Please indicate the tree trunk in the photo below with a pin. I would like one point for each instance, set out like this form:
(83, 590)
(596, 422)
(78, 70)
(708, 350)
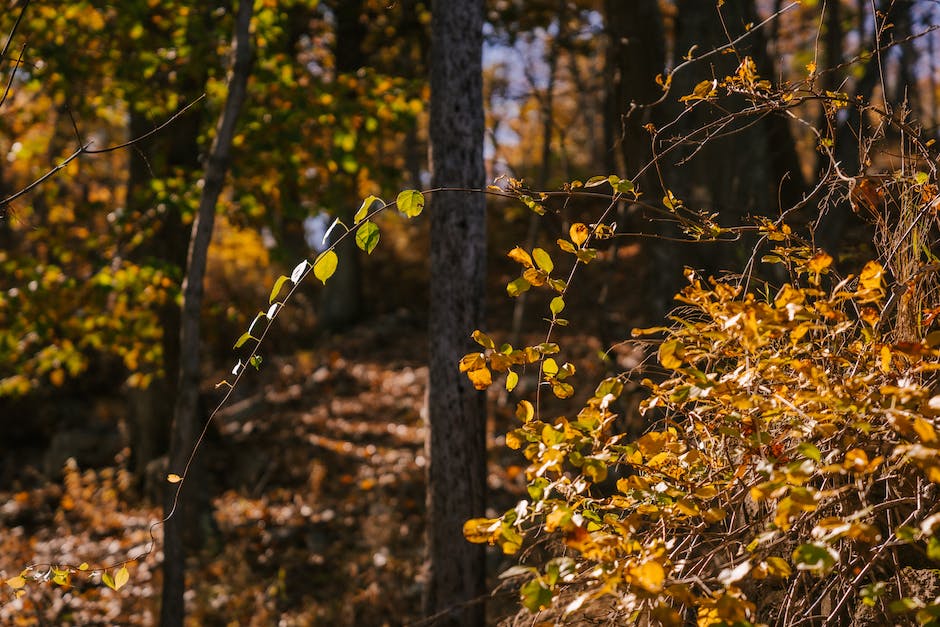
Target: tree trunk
(341, 299)
(636, 53)
(456, 443)
(184, 433)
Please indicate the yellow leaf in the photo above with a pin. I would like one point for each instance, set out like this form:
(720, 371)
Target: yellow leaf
(649, 576)
(778, 567)
(925, 431)
(535, 277)
(410, 202)
(885, 363)
(819, 262)
(856, 460)
(364, 208)
(525, 411)
(325, 265)
(670, 353)
(512, 379)
(481, 378)
(480, 530)
(578, 233)
(121, 578)
(173, 478)
(472, 361)
(16, 582)
(870, 279)
(520, 256)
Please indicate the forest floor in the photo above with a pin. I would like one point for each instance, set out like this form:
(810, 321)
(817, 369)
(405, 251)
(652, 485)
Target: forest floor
(316, 477)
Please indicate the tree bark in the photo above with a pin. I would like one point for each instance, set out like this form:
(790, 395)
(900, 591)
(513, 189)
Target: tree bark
(185, 426)
(456, 444)
(636, 53)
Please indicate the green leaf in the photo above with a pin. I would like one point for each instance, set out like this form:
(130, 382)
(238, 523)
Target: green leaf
(536, 489)
(809, 451)
(557, 304)
(813, 557)
(277, 287)
(410, 202)
(364, 208)
(241, 340)
(325, 265)
(255, 361)
(610, 385)
(594, 181)
(108, 580)
(933, 549)
(621, 186)
(517, 287)
(542, 259)
(594, 469)
(367, 237)
(586, 255)
(535, 596)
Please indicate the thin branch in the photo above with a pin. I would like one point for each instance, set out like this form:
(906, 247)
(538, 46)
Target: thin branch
(16, 25)
(84, 150)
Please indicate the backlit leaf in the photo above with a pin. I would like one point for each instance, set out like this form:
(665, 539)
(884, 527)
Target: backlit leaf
(566, 246)
(557, 305)
(595, 181)
(562, 389)
(121, 577)
(525, 411)
(481, 378)
(535, 596)
(367, 236)
(669, 353)
(481, 530)
(517, 287)
(277, 287)
(594, 469)
(543, 260)
(870, 278)
(173, 478)
(512, 380)
(410, 202)
(578, 233)
(650, 576)
(325, 265)
(364, 208)
(16, 582)
(518, 255)
(815, 558)
(483, 339)
(241, 341)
